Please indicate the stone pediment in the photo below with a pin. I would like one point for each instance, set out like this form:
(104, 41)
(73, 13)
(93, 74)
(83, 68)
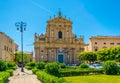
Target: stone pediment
(60, 41)
(59, 19)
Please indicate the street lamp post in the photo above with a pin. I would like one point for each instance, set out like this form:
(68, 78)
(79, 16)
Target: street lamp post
(21, 26)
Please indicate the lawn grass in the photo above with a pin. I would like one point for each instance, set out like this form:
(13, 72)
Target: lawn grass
(94, 79)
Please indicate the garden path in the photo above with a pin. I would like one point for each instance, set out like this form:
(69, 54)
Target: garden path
(23, 77)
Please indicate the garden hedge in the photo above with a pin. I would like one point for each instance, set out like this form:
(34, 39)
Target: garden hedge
(77, 72)
(4, 76)
(47, 78)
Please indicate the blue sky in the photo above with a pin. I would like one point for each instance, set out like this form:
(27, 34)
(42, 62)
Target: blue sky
(89, 17)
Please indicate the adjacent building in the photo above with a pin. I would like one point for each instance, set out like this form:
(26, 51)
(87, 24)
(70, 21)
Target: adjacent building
(98, 42)
(59, 43)
(15, 47)
(7, 47)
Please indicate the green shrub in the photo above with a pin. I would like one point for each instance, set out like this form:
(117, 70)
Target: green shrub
(47, 78)
(34, 70)
(1, 80)
(83, 65)
(119, 70)
(40, 65)
(11, 65)
(62, 65)
(110, 68)
(52, 68)
(77, 72)
(15, 67)
(3, 65)
(10, 71)
(30, 65)
(4, 77)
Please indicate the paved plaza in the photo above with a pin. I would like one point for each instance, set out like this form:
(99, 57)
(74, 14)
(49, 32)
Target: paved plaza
(23, 77)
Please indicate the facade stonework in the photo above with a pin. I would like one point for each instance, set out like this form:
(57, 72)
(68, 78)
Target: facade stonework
(98, 42)
(7, 47)
(58, 44)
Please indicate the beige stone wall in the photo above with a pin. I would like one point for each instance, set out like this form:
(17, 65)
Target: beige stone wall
(49, 46)
(99, 42)
(86, 47)
(7, 47)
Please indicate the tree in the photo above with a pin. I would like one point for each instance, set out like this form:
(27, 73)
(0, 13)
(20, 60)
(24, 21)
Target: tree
(112, 53)
(115, 53)
(87, 56)
(103, 54)
(92, 56)
(18, 57)
(82, 56)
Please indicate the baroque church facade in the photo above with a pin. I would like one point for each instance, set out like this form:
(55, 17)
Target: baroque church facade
(58, 44)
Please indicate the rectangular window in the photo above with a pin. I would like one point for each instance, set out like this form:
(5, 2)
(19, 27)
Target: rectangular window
(7, 49)
(111, 43)
(118, 43)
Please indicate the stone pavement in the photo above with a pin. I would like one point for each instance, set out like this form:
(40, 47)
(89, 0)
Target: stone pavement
(23, 77)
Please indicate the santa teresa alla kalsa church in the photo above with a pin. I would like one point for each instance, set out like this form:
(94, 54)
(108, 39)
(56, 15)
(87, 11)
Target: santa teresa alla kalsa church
(59, 43)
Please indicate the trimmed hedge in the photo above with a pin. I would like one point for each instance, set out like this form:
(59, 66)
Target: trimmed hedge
(40, 65)
(62, 65)
(47, 78)
(15, 67)
(3, 65)
(10, 71)
(34, 70)
(119, 70)
(30, 65)
(4, 77)
(77, 72)
(11, 65)
(5, 74)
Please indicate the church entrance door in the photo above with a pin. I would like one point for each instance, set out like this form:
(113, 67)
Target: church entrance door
(60, 58)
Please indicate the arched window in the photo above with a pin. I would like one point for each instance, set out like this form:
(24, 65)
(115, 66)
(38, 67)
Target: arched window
(60, 35)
